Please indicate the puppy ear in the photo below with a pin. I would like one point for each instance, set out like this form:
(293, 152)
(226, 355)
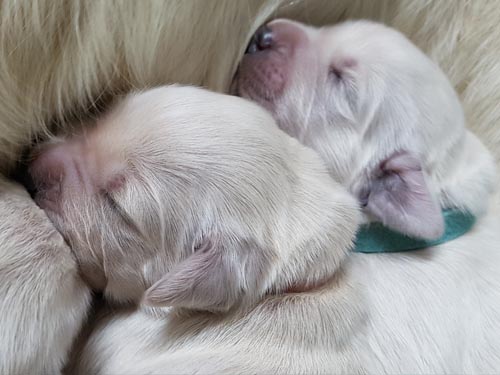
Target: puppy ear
(398, 196)
(214, 277)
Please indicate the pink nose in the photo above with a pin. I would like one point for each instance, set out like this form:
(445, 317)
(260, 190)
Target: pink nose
(55, 169)
(48, 168)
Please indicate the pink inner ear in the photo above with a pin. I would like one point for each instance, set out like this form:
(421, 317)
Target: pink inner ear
(215, 276)
(400, 198)
(206, 280)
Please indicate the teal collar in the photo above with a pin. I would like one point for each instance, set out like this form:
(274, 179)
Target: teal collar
(375, 238)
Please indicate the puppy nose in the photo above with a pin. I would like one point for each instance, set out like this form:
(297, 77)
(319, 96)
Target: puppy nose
(262, 39)
(48, 168)
(55, 168)
(47, 172)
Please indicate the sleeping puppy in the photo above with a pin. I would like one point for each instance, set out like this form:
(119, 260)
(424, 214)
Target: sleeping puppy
(196, 201)
(192, 199)
(390, 127)
(380, 113)
(198, 162)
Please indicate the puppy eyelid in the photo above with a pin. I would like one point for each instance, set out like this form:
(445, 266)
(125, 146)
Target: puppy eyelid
(116, 207)
(335, 72)
(122, 213)
(112, 202)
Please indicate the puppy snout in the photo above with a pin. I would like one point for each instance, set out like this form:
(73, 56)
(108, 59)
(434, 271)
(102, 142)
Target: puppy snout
(271, 57)
(47, 172)
(47, 169)
(53, 168)
(262, 39)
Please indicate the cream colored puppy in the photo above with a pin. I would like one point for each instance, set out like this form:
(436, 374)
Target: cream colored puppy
(433, 311)
(390, 127)
(195, 198)
(380, 113)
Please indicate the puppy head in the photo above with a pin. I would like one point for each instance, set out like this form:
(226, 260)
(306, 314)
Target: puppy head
(195, 198)
(380, 113)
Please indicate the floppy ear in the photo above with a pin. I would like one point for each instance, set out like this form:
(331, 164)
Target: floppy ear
(399, 197)
(214, 277)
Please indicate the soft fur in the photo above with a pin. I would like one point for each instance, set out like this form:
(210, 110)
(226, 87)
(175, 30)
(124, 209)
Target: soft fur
(60, 60)
(432, 311)
(199, 203)
(390, 128)
(381, 114)
(196, 197)
(414, 313)
(44, 301)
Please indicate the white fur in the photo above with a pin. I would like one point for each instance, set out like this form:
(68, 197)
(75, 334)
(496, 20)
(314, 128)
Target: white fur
(429, 312)
(199, 169)
(432, 311)
(391, 98)
(58, 59)
(43, 300)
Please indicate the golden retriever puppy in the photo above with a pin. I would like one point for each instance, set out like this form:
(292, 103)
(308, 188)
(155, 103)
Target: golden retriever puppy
(174, 173)
(381, 114)
(390, 127)
(196, 199)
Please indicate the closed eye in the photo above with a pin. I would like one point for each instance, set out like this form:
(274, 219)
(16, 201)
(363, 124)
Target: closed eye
(335, 72)
(121, 212)
(115, 206)
(111, 201)
(340, 67)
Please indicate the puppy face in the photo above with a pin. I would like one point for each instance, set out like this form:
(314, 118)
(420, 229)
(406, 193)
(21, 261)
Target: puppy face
(196, 197)
(380, 113)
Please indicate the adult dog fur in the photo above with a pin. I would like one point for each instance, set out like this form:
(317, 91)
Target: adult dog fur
(58, 58)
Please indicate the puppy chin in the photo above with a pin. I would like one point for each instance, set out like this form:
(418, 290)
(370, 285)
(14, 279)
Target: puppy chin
(253, 89)
(49, 205)
(257, 94)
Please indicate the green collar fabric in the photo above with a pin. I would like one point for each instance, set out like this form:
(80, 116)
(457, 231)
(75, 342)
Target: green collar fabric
(375, 238)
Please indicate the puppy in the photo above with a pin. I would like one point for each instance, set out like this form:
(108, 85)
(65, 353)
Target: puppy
(390, 127)
(433, 311)
(379, 112)
(192, 199)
